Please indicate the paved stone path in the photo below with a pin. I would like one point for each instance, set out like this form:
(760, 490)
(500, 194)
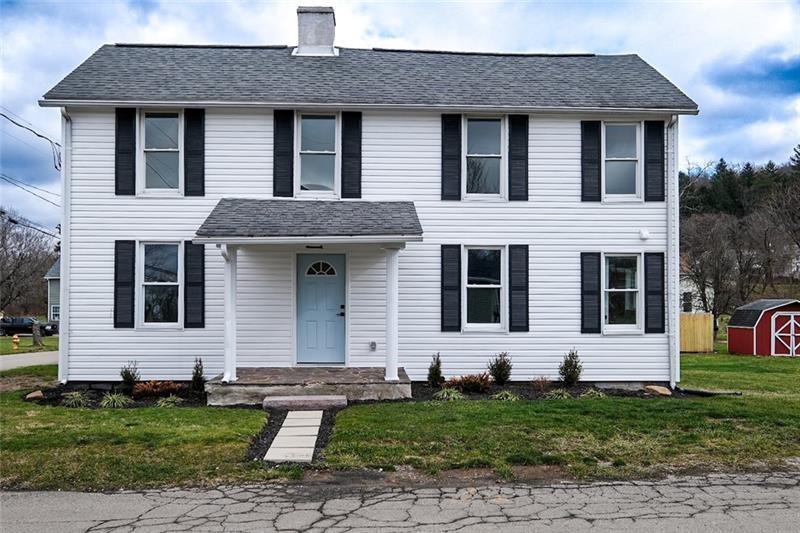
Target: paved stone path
(296, 439)
(707, 504)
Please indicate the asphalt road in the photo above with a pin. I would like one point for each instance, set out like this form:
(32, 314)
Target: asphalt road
(8, 362)
(707, 504)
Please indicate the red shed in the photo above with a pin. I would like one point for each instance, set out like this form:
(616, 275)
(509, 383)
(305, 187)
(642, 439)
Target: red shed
(766, 327)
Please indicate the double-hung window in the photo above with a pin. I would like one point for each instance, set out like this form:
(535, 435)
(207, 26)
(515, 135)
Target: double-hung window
(621, 292)
(485, 278)
(55, 313)
(621, 160)
(162, 144)
(161, 284)
(484, 157)
(318, 141)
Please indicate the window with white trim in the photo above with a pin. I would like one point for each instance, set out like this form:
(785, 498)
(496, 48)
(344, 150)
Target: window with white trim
(621, 292)
(162, 142)
(621, 160)
(484, 156)
(55, 313)
(317, 150)
(483, 287)
(161, 283)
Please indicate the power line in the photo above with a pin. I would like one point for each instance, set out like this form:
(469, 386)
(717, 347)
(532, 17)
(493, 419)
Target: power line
(55, 146)
(3, 177)
(57, 195)
(22, 222)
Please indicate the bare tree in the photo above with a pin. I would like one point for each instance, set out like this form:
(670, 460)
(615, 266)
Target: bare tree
(784, 208)
(25, 256)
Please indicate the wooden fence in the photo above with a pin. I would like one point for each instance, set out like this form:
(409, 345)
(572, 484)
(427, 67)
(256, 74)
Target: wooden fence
(697, 332)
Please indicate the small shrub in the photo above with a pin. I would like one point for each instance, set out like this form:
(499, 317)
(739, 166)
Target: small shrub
(593, 393)
(156, 389)
(198, 377)
(169, 401)
(542, 384)
(506, 396)
(570, 369)
(435, 378)
(558, 394)
(75, 399)
(448, 395)
(115, 400)
(471, 383)
(500, 368)
(130, 377)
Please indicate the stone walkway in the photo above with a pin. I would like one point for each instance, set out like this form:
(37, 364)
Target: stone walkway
(296, 439)
(704, 504)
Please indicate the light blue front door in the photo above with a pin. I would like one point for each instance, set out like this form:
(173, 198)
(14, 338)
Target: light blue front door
(320, 308)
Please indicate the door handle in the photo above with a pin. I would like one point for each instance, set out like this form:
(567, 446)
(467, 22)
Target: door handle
(340, 314)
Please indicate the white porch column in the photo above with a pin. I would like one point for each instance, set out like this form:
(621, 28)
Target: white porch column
(392, 289)
(229, 254)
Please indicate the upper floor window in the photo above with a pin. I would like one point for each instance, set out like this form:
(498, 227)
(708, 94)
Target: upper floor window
(484, 287)
(318, 153)
(484, 156)
(622, 291)
(162, 150)
(621, 160)
(160, 286)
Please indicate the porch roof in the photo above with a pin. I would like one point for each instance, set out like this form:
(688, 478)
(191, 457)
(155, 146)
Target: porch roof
(250, 220)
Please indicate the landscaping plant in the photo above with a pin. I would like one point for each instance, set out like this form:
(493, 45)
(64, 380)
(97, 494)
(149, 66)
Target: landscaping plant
(130, 377)
(115, 400)
(156, 389)
(75, 399)
(570, 369)
(435, 378)
(593, 393)
(500, 368)
(506, 396)
(169, 401)
(558, 394)
(471, 383)
(541, 384)
(198, 378)
(448, 395)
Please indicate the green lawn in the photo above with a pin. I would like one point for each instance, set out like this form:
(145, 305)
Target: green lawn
(751, 375)
(37, 371)
(26, 345)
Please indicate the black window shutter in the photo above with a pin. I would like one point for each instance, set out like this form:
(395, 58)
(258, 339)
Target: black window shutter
(654, 168)
(451, 157)
(518, 157)
(654, 293)
(194, 280)
(125, 152)
(518, 287)
(124, 283)
(283, 153)
(451, 287)
(590, 161)
(590, 292)
(194, 155)
(351, 155)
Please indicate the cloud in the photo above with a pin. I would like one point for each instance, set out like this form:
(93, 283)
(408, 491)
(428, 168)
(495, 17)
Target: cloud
(738, 60)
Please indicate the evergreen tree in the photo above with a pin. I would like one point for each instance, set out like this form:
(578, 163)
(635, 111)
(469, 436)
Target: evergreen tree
(794, 163)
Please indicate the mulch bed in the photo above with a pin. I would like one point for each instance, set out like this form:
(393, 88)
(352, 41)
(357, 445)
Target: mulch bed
(96, 391)
(421, 391)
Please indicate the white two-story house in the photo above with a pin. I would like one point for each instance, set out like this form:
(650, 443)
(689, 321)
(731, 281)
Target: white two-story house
(288, 206)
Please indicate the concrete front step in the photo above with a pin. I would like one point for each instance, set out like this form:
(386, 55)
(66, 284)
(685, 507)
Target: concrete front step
(304, 403)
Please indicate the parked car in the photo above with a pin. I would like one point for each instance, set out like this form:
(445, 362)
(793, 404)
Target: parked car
(24, 325)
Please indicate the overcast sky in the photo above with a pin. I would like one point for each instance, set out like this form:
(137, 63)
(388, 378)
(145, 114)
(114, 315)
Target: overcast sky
(740, 61)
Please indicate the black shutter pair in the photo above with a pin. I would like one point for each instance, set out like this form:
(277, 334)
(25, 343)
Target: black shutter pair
(517, 157)
(125, 284)
(591, 308)
(193, 152)
(517, 287)
(591, 161)
(283, 154)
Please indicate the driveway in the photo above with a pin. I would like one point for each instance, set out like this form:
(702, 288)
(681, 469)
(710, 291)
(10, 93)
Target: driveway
(707, 504)
(8, 362)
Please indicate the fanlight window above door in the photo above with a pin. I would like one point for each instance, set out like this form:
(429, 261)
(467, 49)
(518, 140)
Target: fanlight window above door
(321, 268)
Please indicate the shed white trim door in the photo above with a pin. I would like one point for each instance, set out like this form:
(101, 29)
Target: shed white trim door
(321, 309)
(786, 334)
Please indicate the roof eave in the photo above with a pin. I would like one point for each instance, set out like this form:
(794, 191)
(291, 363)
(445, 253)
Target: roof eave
(310, 239)
(46, 102)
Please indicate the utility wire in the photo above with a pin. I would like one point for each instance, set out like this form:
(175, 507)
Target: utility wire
(57, 195)
(22, 222)
(3, 177)
(55, 146)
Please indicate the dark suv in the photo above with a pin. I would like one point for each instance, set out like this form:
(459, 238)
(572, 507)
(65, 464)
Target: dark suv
(24, 324)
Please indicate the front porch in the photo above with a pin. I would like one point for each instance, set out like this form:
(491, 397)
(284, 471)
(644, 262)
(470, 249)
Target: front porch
(357, 384)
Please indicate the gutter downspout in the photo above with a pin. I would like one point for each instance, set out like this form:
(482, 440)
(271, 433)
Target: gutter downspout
(673, 253)
(64, 289)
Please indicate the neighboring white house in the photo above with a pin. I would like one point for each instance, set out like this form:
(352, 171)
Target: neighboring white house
(53, 278)
(273, 206)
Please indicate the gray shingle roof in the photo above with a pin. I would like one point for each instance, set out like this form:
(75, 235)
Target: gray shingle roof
(271, 75)
(247, 217)
(747, 315)
(55, 270)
